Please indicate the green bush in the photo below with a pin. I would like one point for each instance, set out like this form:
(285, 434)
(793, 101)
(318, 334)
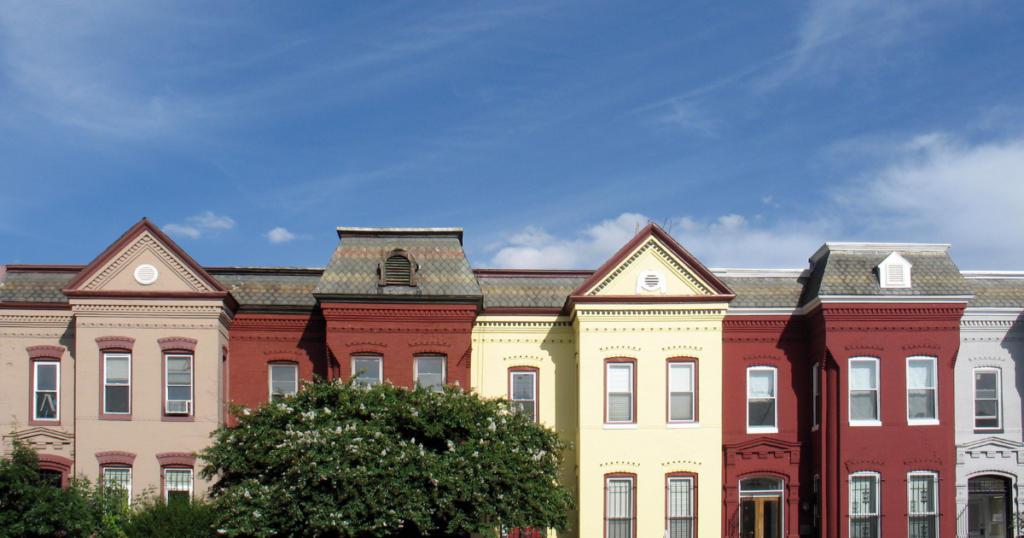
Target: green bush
(154, 517)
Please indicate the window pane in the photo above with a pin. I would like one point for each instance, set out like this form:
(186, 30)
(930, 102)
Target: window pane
(117, 370)
(620, 407)
(680, 378)
(921, 403)
(367, 370)
(862, 375)
(620, 498)
(921, 374)
(922, 494)
(179, 370)
(761, 383)
(986, 385)
(46, 377)
(864, 527)
(922, 527)
(762, 413)
(46, 405)
(863, 495)
(116, 399)
(680, 498)
(179, 393)
(282, 380)
(620, 377)
(863, 405)
(522, 386)
(681, 406)
(118, 477)
(524, 406)
(430, 373)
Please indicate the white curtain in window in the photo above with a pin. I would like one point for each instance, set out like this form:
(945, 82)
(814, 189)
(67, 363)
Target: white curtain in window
(862, 375)
(680, 378)
(761, 384)
(117, 370)
(920, 374)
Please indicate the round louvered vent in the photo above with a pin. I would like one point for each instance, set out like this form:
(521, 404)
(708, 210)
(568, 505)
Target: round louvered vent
(650, 281)
(146, 274)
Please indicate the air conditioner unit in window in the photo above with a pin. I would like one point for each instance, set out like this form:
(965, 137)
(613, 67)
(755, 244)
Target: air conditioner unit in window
(179, 407)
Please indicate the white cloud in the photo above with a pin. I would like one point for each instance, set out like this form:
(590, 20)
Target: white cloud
(280, 235)
(199, 224)
(536, 249)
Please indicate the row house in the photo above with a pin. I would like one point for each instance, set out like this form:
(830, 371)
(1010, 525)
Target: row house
(871, 394)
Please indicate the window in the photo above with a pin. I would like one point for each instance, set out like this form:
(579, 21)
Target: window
(619, 519)
(51, 478)
(816, 387)
(398, 268)
(119, 477)
(923, 516)
(864, 505)
(46, 391)
(986, 399)
(117, 394)
(523, 391)
(430, 371)
(680, 516)
(864, 392)
(178, 484)
(179, 384)
(284, 381)
(921, 391)
(619, 400)
(682, 392)
(761, 412)
(367, 369)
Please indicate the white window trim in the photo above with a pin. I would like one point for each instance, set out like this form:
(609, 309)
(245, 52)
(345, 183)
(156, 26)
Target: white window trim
(191, 481)
(106, 468)
(444, 367)
(693, 390)
(999, 397)
(815, 394)
(511, 384)
(935, 499)
(775, 388)
(935, 393)
(36, 391)
(192, 384)
(270, 378)
(878, 393)
(117, 356)
(878, 502)
(620, 424)
(380, 364)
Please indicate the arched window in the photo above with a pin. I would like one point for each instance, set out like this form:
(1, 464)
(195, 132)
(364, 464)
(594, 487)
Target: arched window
(398, 268)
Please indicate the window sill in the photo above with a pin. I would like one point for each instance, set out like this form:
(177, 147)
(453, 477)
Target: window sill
(620, 426)
(988, 431)
(682, 425)
(923, 422)
(115, 416)
(761, 429)
(178, 418)
(865, 423)
(43, 422)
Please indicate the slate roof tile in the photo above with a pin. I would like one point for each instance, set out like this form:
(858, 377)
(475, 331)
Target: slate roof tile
(43, 287)
(997, 292)
(528, 292)
(766, 292)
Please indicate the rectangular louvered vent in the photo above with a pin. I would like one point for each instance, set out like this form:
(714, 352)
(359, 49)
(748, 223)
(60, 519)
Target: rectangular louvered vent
(397, 271)
(896, 275)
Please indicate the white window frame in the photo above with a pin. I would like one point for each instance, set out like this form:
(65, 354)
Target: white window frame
(190, 406)
(625, 424)
(682, 423)
(632, 503)
(36, 391)
(107, 356)
(877, 515)
(877, 421)
(999, 397)
(935, 391)
(775, 397)
(369, 356)
(270, 378)
(191, 481)
(444, 369)
(935, 500)
(128, 487)
(691, 509)
(511, 390)
(815, 395)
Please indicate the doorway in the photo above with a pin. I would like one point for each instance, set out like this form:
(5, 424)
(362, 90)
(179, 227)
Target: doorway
(988, 507)
(761, 507)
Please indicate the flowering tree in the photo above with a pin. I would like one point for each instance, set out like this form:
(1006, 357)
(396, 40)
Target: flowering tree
(343, 459)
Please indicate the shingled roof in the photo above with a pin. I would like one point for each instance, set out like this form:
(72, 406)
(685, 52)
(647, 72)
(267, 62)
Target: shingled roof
(269, 288)
(528, 289)
(994, 290)
(764, 288)
(36, 284)
(444, 270)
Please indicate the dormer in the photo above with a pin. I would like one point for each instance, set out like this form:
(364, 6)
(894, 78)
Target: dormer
(894, 272)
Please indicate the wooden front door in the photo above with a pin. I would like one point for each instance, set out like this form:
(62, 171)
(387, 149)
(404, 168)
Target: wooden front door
(759, 517)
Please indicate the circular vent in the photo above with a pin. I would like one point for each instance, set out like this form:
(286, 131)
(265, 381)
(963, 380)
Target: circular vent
(652, 281)
(146, 274)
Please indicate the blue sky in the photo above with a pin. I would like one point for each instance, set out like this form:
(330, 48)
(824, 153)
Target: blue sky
(548, 130)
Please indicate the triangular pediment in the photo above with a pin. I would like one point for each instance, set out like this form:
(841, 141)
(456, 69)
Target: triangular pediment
(654, 266)
(991, 443)
(143, 261)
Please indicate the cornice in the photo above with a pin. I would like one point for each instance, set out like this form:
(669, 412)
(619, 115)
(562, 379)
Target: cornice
(47, 320)
(148, 325)
(91, 310)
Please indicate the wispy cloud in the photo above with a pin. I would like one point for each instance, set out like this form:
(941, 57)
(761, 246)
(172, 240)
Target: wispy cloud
(198, 225)
(280, 235)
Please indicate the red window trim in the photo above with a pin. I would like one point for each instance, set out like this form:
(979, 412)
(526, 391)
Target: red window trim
(60, 464)
(668, 389)
(693, 477)
(175, 460)
(178, 343)
(113, 457)
(604, 500)
(164, 416)
(536, 387)
(116, 344)
(38, 354)
(605, 398)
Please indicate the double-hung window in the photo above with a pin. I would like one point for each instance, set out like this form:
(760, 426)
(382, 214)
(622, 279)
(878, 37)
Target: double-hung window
(816, 387)
(864, 392)
(921, 391)
(430, 371)
(284, 380)
(367, 369)
(682, 392)
(679, 520)
(119, 477)
(761, 399)
(117, 390)
(864, 505)
(987, 404)
(619, 400)
(178, 484)
(179, 384)
(620, 521)
(523, 392)
(46, 390)
(923, 514)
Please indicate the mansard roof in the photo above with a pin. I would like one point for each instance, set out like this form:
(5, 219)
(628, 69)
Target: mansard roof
(40, 284)
(444, 271)
(270, 288)
(528, 289)
(1003, 289)
(757, 288)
